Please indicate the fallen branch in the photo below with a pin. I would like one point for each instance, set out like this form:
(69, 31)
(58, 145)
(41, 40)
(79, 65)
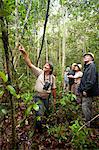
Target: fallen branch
(88, 122)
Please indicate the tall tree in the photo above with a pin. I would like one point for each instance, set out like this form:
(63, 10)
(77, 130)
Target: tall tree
(4, 30)
(46, 19)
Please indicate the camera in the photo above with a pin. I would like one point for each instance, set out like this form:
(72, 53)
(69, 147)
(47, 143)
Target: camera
(46, 86)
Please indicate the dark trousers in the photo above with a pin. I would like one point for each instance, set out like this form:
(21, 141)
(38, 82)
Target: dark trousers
(43, 109)
(87, 108)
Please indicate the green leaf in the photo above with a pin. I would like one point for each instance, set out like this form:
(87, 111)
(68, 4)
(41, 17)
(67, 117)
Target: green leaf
(35, 107)
(62, 102)
(4, 111)
(74, 96)
(38, 118)
(28, 110)
(1, 93)
(27, 97)
(11, 90)
(4, 76)
(18, 96)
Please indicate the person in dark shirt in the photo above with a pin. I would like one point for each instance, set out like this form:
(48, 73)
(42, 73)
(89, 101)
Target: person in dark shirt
(87, 86)
(71, 80)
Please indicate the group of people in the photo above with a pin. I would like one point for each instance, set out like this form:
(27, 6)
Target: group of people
(72, 78)
(82, 84)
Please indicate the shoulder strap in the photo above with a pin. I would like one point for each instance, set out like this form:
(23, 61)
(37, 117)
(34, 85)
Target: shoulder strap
(49, 78)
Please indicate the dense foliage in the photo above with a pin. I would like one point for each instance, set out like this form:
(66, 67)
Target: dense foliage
(72, 30)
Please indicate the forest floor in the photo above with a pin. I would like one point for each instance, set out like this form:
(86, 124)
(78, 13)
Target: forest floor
(38, 141)
(27, 139)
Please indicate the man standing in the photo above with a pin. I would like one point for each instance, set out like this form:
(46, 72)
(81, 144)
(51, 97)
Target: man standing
(45, 85)
(87, 86)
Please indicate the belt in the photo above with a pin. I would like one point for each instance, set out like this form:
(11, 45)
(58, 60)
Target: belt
(43, 95)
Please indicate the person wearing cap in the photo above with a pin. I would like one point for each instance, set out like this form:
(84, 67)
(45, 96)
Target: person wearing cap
(87, 86)
(77, 78)
(45, 85)
(71, 80)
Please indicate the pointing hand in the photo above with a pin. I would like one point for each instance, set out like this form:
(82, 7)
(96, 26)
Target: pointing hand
(22, 50)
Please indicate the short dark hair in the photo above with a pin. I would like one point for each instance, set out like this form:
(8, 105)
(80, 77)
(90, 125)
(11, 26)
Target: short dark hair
(51, 67)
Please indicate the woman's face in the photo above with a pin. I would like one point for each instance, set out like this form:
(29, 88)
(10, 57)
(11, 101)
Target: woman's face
(76, 68)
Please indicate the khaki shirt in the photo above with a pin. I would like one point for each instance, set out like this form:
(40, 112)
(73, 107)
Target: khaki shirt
(77, 77)
(39, 73)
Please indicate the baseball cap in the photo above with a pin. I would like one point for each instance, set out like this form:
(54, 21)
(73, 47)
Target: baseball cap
(89, 53)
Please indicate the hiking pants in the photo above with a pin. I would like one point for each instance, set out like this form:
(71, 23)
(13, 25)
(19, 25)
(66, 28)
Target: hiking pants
(43, 109)
(87, 108)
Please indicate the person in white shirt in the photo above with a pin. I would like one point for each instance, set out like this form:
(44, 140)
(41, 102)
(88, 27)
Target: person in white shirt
(77, 78)
(45, 84)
